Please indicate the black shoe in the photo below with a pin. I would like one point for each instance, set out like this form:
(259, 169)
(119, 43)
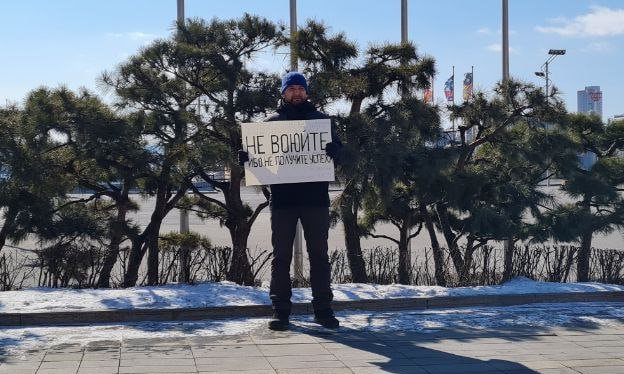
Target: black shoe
(326, 319)
(279, 321)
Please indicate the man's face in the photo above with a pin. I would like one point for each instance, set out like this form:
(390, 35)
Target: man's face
(295, 94)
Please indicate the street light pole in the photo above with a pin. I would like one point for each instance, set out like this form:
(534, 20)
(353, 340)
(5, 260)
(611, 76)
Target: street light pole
(505, 40)
(180, 10)
(403, 21)
(294, 66)
(184, 213)
(294, 63)
(553, 53)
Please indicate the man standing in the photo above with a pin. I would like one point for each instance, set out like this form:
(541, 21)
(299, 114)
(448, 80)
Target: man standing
(307, 202)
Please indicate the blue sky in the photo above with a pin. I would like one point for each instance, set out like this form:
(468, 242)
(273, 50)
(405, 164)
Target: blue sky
(71, 42)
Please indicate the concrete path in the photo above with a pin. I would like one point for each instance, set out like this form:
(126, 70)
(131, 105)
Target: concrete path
(582, 348)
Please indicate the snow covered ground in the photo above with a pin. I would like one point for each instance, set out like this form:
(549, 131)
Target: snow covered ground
(226, 293)
(534, 317)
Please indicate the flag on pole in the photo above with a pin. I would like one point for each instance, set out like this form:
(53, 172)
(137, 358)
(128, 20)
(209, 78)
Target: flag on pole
(449, 88)
(467, 86)
(428, 94)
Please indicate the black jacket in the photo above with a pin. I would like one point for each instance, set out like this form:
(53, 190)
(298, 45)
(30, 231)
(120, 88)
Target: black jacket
(312, 194)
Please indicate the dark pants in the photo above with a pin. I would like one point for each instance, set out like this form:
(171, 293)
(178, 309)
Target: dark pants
(315, 222)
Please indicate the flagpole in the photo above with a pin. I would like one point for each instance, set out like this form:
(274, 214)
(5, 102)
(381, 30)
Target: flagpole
(453, 96)
(473, 82)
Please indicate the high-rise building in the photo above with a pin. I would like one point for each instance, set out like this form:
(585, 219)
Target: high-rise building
(590, 100)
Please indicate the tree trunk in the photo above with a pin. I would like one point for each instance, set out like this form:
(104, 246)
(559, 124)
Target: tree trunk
(152, 255)
(464, 275)
(404, 265)
(137, 251)
(583, 257)
(116, 232)
(438, 256)
(9, 221)
(348, 213)
(510, 246)
(584, 252)
(109, 261)
(240, 269)
(449, 236)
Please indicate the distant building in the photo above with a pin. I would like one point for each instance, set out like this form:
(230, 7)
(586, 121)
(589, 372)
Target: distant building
(590, 100)
(617, 117)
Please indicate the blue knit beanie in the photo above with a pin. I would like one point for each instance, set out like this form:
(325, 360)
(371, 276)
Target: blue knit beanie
(294, 78)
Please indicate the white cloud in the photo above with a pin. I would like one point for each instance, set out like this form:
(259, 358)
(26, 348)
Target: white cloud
(484, 31)
(598, 47)
(135, 35)
(600, 21)
(499, 48)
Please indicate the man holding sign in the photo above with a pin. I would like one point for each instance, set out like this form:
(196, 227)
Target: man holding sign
(295, 156)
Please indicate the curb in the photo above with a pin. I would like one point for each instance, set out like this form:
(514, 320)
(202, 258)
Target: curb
(225, 312)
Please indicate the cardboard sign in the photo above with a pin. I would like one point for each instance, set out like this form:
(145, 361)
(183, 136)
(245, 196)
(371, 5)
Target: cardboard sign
(287, 152)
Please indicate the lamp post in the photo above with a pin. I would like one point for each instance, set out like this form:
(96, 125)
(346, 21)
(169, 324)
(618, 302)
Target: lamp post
(553, 53)
(505, 40)
(184, 213)
(294, 66)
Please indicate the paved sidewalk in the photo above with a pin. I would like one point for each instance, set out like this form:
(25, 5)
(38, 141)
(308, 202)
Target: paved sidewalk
(583, 349)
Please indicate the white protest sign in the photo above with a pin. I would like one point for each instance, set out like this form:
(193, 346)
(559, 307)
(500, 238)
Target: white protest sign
(287, 152)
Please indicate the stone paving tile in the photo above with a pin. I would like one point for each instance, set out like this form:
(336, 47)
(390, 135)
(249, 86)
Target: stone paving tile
(344, 336)
(601, 343)
(102, 370)
(292, 349)
(588, 337)
(152, 362)
(166, 349)
(267, 371)
(593, 362)
(513, 365)
(220, 340)
(62, 356)
(157, 369)
(543, 371)
(157, 355)
(88, 356)
(390, 370)
(19, 369)
(363, 351)
(461, 368)
(55, 371)
(68, 365)
(103, 344)
(315, 371)
(100, 364)
(600, 369)
(387, 362)
(226, 351)
(295, 362)
(21, 364)
(153, 342)
(232, 363)
(282, 338)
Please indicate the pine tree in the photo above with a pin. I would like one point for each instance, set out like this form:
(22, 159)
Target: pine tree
(598, 205)
(337, 71)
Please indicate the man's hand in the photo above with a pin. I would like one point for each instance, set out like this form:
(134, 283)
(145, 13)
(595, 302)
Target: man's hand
(243, 156)
(331, 149)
